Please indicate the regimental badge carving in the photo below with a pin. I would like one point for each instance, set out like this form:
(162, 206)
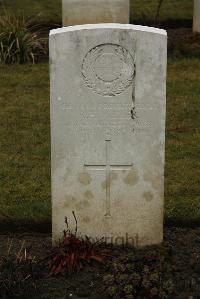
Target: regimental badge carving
(108, 69)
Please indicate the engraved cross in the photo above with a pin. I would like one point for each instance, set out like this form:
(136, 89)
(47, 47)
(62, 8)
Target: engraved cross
(108, 167)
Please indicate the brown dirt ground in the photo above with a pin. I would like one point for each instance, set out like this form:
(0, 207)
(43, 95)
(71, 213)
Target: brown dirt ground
(182, 41)
(185, 243)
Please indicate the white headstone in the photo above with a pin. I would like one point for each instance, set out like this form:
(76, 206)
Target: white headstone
(78, 12)
(196, 18)
(108, 103)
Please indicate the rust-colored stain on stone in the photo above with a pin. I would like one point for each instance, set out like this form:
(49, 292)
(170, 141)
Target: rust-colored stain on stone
(107, 183)
(148, 196)
(132, 178)
(86, 219)
(113, 175)
(89, 195)
(69, 200)
(154, 179)
(85, 178)
(82, 204)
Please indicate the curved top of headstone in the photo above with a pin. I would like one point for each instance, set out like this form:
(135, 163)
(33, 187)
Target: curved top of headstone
(108, 26)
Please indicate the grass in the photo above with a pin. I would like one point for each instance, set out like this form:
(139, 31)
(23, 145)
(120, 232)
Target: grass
(19, 41)
(25, 139)
(49, 11)
(171, 10)
(183, 138)
(25, 143)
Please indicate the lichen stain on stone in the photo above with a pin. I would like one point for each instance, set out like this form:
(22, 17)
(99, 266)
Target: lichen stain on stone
(109, 181)
(132, 178)
(148, 196)
(82, 204)
(85, 178)
(89, 195)
(69, 200)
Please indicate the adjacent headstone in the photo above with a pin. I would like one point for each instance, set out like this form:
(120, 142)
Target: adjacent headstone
(78, 12)
(108, 102)
(196, 18)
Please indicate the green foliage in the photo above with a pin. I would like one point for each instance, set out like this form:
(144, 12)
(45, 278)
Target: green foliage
(43, 11)
(18, 275)
(171, 11)
(141, 274)
(157, 15)
(142, 11)
(19, 41)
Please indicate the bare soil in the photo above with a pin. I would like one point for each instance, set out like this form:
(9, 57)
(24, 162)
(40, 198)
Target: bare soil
(185, 260)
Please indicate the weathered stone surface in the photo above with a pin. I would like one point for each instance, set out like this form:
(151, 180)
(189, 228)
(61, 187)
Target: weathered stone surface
(196, 19)
(108, 103)
(77, 12)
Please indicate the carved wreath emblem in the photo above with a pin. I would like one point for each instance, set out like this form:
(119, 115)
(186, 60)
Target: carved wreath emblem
(108, 69)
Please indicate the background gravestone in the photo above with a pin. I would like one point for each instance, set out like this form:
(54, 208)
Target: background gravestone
(108, 101)
(196, 18)
(77, 12)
